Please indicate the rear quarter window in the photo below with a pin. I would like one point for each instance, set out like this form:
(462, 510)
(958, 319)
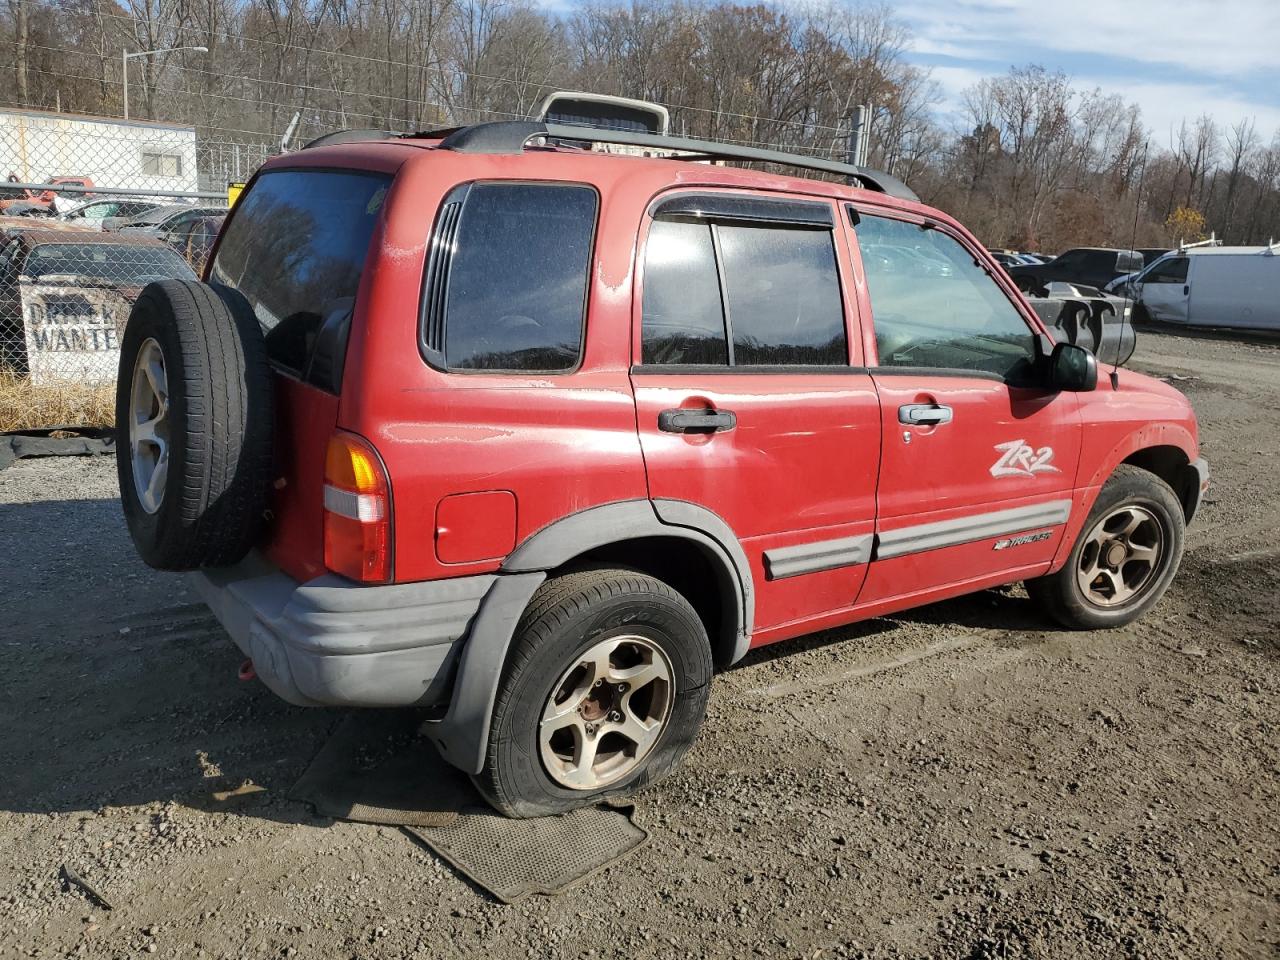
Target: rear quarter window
(295, 249)
(506, 284)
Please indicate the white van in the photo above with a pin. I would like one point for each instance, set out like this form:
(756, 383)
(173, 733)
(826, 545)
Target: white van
(1213, 287)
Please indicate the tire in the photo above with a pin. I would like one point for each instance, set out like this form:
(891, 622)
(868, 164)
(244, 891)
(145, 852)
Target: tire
(206, 506)
(569, 618)
(1131, 493)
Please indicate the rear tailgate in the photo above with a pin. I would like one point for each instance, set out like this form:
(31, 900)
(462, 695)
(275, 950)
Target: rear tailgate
(295, 246)
(305, 420)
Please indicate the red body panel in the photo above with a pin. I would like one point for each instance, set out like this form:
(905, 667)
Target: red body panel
(937, 473)
(305, 418)
(815, 456)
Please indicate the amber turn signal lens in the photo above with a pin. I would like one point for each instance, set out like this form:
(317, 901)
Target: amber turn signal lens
(357, 511)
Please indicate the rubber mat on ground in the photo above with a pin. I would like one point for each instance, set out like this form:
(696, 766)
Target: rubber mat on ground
(513, 859)
(376, 768)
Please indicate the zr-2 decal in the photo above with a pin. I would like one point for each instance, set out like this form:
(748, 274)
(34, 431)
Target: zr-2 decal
(1019, 459)
(1023, 540)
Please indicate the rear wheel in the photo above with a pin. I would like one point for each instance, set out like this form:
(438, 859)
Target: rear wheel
(1124, 559)
(604, 691)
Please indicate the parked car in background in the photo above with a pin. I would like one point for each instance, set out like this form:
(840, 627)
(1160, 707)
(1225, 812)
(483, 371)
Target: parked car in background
(1090, 266)
(15, 224)
(38, 203)
(1017, 258)
(1212, 287)
(92, 213)
(65, 297)
(194, 239)
(165, 220)
(1007, 259)
(1151, 254)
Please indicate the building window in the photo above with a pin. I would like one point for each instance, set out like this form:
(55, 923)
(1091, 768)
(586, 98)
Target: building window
(156, 164)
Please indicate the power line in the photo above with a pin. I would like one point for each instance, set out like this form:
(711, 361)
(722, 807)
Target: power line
(453, 69)
(345, 113)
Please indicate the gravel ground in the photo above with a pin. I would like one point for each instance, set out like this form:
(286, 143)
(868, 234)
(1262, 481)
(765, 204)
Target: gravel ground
(955, 782)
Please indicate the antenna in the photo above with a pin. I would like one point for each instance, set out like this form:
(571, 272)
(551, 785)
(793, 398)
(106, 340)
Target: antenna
(1128, 286)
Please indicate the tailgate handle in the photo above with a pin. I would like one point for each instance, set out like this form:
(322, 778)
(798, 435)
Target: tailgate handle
(696, 421)
(922, 413)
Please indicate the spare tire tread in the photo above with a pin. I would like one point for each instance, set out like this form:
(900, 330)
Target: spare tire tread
(220, 442)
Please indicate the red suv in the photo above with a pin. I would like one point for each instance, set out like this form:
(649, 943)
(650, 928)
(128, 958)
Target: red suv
(537, 436)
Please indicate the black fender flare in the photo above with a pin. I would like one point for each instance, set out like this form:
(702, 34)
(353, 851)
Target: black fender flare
(462, 734)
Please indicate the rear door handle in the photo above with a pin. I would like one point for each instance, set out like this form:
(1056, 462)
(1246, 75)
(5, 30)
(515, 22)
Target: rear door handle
(696, 421)
(924, 413)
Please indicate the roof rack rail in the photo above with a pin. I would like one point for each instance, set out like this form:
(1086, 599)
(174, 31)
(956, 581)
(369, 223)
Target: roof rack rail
(348, 136)
(511, 136)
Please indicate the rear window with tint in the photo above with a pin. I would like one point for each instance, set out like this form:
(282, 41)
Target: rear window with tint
(506, 284)
(783, 296)
(683, 314)
(129, 265)
(780, 303)
(295, 248)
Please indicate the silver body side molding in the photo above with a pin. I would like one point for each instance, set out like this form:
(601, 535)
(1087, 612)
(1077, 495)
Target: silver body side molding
(950, 533)
(783, 562)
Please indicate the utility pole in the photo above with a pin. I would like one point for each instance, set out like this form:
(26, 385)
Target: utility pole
(860, 135)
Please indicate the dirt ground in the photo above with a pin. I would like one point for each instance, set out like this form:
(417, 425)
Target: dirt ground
(956, 782)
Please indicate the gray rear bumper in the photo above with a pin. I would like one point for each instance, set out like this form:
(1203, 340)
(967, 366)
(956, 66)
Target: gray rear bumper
(331, 642)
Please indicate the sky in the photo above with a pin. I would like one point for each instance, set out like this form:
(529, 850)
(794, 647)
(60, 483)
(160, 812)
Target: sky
(1176, 58)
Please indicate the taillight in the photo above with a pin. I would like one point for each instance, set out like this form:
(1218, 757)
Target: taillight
(357, 511)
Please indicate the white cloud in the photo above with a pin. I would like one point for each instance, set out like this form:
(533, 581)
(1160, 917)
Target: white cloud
(1166, 105)
(1225, 37)
(1175, 60)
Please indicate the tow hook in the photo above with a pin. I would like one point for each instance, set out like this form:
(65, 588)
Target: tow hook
(246, 671)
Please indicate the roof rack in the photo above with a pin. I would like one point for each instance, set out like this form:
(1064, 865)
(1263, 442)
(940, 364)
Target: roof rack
(348, 136)
(1213, 241)
(511, 136)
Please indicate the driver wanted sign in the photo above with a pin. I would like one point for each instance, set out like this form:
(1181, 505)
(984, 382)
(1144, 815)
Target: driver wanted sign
(72, 332)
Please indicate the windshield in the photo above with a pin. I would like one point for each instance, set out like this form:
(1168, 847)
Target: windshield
(116, 264)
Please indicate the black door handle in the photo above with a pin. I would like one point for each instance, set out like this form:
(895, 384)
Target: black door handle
(924, 413)
(1186, 289)
(696, 421)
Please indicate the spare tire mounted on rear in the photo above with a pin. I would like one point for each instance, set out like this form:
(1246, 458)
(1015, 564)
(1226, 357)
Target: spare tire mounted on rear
(193, 425)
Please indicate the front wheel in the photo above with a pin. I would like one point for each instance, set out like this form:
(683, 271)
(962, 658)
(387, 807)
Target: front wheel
(1124, 559)
(604, 691)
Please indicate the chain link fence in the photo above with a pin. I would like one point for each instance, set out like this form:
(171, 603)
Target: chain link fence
(93, 209)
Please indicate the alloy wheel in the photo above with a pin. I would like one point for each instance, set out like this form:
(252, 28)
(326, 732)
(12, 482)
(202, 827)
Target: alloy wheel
(1122, 556)
(606, 713)
(149, 425)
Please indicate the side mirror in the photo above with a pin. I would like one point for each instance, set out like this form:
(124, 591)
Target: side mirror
(1072, 368)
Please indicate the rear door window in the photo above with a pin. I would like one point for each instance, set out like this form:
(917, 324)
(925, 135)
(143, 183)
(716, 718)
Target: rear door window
(295, 249)
(506, 282)
(1100, 261)
(783, 296)
(683, 314)
(735, 294)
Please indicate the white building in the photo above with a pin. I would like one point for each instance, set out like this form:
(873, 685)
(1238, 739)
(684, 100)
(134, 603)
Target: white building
(36, 145)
